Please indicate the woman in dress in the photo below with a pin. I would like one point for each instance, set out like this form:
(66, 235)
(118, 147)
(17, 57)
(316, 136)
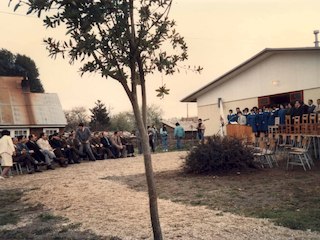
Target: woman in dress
(6, 152)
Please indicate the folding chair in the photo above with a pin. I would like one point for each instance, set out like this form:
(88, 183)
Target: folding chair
(304, 124)
(262, 155)
(17, 167)
(313, 123)
(300, 156)
(296, 124)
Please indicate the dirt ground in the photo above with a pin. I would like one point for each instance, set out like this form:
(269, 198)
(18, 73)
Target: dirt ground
(87, 194)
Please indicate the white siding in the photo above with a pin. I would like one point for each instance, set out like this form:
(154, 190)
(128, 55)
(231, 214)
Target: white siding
(293, 71)
(313, 94)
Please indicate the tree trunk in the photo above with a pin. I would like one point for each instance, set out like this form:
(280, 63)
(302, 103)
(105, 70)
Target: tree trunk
(153, 204)
(144, 101)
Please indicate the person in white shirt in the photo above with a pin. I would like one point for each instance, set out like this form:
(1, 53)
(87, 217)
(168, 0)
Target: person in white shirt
(242, 120)
(7, 150)
(45, 148)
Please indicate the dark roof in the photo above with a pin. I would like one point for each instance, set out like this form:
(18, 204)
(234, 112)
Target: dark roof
(242, 67)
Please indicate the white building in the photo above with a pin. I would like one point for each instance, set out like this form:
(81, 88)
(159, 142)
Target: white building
(273, 76)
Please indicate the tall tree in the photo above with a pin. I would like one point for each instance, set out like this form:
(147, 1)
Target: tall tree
(100, 119)
(7, 63)
(28, 68)
(20, 65)
(123, 40)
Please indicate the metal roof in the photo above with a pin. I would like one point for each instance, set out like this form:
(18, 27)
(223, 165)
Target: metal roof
(242, 67)
(18, 107)
(188, 126)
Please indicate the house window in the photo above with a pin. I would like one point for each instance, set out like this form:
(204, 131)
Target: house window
(19, 132)
(50, 131)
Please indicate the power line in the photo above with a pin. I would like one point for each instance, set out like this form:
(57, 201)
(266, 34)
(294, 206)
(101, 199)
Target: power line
(17, 14)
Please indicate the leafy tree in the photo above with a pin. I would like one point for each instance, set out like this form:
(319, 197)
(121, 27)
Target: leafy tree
(75, 116)
(154, 115)
(123, 40)
(20, 65)
(7, 63)
(28, 67)
(123, 121)
(99, 117)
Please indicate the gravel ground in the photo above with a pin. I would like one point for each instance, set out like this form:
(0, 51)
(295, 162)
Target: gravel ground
(106, 207)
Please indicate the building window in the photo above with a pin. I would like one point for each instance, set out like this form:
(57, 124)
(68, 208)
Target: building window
(50, 131)
(19, 132)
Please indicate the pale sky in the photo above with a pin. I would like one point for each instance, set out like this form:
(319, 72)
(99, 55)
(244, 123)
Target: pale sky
(220, 34)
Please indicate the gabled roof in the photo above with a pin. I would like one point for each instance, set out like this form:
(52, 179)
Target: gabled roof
(19, 107)
(242, 67)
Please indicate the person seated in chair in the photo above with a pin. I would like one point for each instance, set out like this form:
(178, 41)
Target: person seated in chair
(129, 146)
(47, 150)
(97, 147)
(118, 146)
(72, 146)
(23, 155)
(56, 144)
(106, 142)
(37, 153)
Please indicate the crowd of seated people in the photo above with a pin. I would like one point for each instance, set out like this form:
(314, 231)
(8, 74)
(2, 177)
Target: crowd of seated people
(261, 118)
(69, 148)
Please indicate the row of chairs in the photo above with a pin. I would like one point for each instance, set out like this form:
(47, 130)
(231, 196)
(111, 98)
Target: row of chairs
(305, 124)
(296, 149)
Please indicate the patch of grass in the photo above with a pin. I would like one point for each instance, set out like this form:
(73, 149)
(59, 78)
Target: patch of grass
(42, 230)
(289, 198)
(41, 224)
(8, 218)
(45, 217)
(299, 219)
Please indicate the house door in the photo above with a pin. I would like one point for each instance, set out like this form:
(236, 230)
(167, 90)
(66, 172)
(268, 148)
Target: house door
(281, 98)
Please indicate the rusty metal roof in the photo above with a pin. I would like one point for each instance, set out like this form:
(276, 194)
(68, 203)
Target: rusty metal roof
(18, 107)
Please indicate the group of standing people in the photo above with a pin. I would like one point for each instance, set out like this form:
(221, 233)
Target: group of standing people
(178, 134)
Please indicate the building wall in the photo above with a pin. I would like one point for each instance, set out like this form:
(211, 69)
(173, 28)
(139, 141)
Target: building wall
(313, 94)
(292, 72)
(212, 113)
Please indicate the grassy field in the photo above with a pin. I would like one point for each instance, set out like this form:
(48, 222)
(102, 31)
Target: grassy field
(19, 220)
(289, 198)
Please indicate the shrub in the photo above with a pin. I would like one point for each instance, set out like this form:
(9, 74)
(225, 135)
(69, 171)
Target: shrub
(219, 154)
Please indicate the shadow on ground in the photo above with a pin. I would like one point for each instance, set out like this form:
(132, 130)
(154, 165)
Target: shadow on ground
(289, 198)
(20, 220)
